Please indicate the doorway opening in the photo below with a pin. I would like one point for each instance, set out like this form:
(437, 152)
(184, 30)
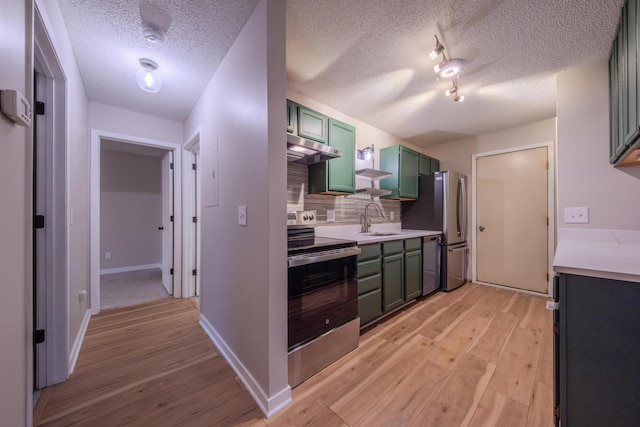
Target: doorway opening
(136, 234)
(513, 218)
(161, 224)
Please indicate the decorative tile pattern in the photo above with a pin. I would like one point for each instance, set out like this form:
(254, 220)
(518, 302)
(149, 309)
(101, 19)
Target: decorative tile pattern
(347, 208)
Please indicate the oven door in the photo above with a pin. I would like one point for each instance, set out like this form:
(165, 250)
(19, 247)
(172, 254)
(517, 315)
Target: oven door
(322, 296)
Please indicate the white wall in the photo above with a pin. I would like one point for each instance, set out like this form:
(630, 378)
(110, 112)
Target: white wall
(456, 155)
(113, 119)
(130, 210)
(244, 277)
(585, 177)
(15, 209)
(77, 171)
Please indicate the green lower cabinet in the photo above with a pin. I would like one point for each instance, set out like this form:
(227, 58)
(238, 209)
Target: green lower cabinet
(392, 281)
(412, 275)
(370, 306)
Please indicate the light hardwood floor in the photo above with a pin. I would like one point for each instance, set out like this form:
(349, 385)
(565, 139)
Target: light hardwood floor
(477, 356)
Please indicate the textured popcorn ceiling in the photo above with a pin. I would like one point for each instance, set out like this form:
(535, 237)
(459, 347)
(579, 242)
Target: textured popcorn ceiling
(366, 58)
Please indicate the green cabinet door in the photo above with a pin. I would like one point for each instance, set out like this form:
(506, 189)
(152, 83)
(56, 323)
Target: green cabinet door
(392, 281)
(631, 90)
(369, 306)
(412, 274)
(402, 163)
(291, 116)
(313, 125)
(435, 165)
(613, 103)
(342, 171)
(336, 176)
(424, 167)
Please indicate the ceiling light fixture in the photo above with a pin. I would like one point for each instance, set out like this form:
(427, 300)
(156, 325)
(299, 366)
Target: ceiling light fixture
(447, 68)
(147, 79)
(152, 33)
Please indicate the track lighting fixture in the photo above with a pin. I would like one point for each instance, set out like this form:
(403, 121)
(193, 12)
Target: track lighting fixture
(152, 34)
(447, 68)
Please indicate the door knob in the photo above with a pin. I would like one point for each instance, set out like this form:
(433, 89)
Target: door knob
(481, 228)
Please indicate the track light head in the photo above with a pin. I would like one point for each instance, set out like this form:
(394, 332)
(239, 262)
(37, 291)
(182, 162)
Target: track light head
(437, 50)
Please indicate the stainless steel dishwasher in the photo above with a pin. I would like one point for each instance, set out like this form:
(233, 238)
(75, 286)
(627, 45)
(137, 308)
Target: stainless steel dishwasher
(431, 264)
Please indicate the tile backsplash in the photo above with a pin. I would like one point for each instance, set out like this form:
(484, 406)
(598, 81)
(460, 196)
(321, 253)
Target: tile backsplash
(347, 208)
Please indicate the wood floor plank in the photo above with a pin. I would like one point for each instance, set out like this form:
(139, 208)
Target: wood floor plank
(493, 339)
(541, 406)
(313, 412)
(516, 372)
(496, 409)
(449, 347)
(456, 401)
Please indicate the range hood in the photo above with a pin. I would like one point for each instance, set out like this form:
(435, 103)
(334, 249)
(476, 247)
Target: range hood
(305, 151)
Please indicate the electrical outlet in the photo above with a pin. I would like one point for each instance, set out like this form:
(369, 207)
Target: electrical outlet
(391, 215)
(107, 255)
(242, 215)
(331, 215)
(576, 215)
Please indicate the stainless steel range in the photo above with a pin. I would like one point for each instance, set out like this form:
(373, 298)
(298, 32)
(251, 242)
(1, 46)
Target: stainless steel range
(322, 301)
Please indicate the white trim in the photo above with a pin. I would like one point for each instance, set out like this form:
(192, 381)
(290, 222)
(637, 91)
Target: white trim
(268, 405)
(130, 268)
(524, 291)
(191, 145)
(58, 230)
(96, 136)
(550, 208)
(77, 345)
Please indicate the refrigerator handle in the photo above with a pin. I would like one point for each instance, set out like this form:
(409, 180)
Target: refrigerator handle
(462, 208)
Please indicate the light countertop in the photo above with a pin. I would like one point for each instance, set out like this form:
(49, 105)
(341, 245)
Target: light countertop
(352, 232)
(610, 254)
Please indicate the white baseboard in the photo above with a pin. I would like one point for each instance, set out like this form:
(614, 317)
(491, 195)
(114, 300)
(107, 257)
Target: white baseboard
(130, 268)
(75, 351)
(268, 405)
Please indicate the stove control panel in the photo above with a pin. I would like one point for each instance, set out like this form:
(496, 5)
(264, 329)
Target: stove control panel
(301, 218)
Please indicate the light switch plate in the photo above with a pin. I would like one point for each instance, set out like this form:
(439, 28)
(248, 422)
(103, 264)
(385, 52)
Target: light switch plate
(331, 215)
(242, 215)
(576, 215)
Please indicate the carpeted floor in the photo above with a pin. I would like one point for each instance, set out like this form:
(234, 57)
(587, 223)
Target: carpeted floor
(133, 287)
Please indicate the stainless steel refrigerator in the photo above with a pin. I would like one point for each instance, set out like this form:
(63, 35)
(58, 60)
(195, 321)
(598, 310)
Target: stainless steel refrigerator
(442, 206)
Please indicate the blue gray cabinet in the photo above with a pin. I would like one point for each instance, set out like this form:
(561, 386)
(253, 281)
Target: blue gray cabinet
(596, 351)
(412, 268)
(624, 88)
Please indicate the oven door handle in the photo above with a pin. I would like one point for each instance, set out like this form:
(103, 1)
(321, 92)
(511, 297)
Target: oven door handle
(295, 262)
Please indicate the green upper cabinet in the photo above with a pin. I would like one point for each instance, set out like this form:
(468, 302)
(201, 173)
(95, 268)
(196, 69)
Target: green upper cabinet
(336, 176)
(402, 163)
(313, 125)
(424, 165)
(427, 165)
(624, 88)
(435, 165)
(291, 116)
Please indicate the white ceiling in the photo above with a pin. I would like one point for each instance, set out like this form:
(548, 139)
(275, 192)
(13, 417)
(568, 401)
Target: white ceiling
(366, 58)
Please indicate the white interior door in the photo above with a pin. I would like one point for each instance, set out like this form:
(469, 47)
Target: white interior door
(512, 219)
(196, 224)
(167, 222)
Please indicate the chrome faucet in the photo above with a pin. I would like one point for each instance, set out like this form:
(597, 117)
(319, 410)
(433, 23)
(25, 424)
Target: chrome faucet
(365, 221)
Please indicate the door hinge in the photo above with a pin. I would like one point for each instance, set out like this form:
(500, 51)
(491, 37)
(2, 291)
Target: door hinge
(171, 271)
(38, 336)
(194, 272)
(171, 165)
(547, 164)
(38, 221)
(547, 277)
(171, 218)
(39, 108)
(556, 328)
(547, 221)
(194, 166)
(195, 219)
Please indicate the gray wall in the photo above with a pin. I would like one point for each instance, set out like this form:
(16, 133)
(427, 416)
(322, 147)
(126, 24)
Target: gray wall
(130, 210)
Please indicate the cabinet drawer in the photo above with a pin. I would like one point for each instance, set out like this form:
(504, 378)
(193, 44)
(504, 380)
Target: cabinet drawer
(369, 252)
(368, 268)
(369, 306)
(369, 284)
(412, 244)
(393, 247)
